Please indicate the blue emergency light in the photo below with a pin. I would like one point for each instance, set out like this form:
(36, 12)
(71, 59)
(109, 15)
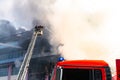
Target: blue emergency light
(61, 59)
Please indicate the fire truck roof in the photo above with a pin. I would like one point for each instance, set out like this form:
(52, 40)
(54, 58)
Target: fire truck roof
(87, 63)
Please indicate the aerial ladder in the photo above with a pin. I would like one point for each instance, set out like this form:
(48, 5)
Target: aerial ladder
(38, 30)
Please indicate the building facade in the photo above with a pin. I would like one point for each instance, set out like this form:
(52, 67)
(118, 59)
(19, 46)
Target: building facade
(13, 51)
(40, 65)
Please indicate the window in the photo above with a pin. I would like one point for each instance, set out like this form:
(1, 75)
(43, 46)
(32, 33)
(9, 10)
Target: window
(15, 70)
(108, 73)
(97, 74)
(3, 71)
(81, 74)
(58, 75)
(10, 55)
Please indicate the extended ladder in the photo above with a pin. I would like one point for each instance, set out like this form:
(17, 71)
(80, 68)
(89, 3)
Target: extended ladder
(25, 64)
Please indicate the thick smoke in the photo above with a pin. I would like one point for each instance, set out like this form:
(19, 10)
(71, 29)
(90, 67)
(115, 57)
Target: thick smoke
(89, 29)
(25, 13)
(29, 13)
(6, 29)
(6, 10)
(7, 32)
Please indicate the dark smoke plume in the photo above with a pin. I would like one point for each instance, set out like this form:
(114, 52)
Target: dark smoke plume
(6, 29)
(29, 13)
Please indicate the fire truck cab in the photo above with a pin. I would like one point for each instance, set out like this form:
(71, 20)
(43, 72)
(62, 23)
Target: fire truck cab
(81, 70)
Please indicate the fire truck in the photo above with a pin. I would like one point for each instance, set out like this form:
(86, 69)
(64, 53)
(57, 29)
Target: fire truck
(117, 76)
(81, 70)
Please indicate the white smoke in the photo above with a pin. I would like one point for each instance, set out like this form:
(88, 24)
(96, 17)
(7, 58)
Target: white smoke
(25, 13)
(89, 29)
(6, 10)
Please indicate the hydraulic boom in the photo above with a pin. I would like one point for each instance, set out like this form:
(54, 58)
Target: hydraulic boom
(25, 64)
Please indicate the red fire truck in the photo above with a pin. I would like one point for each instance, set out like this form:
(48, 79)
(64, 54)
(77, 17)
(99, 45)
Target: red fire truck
(118, 69)
(81, 70)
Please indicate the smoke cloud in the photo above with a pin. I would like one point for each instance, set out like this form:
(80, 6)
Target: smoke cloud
(89, 29)
(26, 13)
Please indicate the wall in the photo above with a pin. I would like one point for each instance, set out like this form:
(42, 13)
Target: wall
(6, 77)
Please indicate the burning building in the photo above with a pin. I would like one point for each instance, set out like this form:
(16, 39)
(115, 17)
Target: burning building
(13, 48)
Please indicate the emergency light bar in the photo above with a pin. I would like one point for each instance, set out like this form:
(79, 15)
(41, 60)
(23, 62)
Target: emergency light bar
(61, 59)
